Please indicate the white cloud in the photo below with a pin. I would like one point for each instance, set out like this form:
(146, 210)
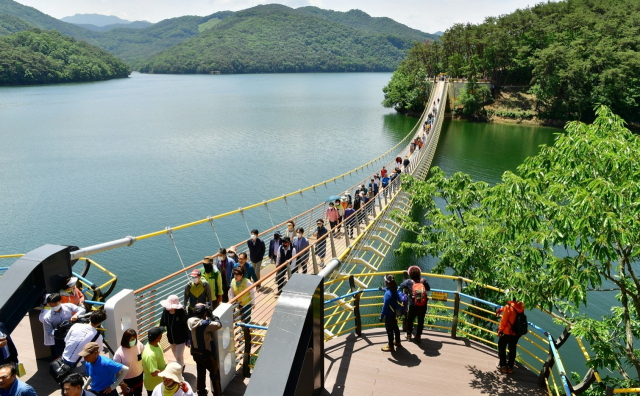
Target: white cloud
(425, 15)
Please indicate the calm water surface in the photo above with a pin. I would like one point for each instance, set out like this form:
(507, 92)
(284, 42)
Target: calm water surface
(81, 164)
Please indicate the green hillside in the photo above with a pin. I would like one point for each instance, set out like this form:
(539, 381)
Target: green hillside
(362, 21)
(39, 56)
(10, 24)
(42, 20)
(277, 39)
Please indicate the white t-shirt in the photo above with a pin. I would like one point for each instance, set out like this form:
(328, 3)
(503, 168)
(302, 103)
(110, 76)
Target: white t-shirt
(129, 358)
(79, 335)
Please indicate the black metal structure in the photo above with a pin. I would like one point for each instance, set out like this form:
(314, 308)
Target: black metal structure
(292, 357)
(39, 271)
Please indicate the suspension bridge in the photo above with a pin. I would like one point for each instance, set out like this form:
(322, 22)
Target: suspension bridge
(460, 334)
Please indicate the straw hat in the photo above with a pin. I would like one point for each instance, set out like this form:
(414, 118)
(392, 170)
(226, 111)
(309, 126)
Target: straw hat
(232, 249)
(172, 371)
(172, 302)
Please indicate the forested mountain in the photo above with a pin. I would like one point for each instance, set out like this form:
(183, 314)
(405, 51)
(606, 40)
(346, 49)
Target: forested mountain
(40, 56)
(94, 19)
(572, 54)
(10, 24)
(362, 21)
(131, 25)
(275, 38)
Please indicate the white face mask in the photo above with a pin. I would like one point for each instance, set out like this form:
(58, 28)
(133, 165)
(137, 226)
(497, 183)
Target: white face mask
(254, 237)
(299, 235)
(57, 308)
(195, 281)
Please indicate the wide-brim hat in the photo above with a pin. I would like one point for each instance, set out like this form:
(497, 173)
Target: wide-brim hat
(172, 371)
(172, 302)
(232, 249)
(72, 281)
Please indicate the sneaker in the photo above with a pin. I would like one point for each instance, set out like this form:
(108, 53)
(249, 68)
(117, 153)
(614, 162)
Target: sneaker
(502, 369)
(387, 348)
(397, 343)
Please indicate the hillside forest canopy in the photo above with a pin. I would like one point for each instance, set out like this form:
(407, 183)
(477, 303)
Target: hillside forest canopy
(570, 54)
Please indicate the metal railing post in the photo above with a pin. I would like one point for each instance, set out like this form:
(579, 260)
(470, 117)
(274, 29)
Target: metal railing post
(314, 261)
(356, 313)
(346, 234)
(246, 358)
(289, 270)
(373, 207)
(333, 245)
(456, 309)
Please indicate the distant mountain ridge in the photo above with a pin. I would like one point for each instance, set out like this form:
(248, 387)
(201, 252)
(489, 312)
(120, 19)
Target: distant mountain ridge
(274, 38)
(130, 25)
(94, 19)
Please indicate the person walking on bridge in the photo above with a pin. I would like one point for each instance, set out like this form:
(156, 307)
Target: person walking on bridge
(225, 266)
(349, 220)
(238, 285)
(274, 247)
(332, 215)
(213, 277)
(196, 291)
(300, 243)
(321, 245)
(286, 252)
(204, 351)
(507, 335)
(174, 319)
(105, 375)
(153, 359)
(249, 271)
(257, 249)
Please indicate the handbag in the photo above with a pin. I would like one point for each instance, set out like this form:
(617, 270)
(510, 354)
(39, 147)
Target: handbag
(59, 369)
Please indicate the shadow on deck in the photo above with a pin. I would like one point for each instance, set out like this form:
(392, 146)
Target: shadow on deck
(439, 365)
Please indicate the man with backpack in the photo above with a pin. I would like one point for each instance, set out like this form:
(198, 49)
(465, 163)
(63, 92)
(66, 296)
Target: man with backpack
(513, 325)
(416, 289)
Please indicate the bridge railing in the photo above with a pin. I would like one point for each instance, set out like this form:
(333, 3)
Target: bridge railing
(458, 313)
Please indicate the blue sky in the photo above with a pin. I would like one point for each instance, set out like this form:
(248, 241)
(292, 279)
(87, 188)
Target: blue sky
(426, 15)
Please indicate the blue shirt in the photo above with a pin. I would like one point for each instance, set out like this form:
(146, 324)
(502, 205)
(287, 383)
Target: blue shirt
(102, 372)
(19, 388)
(391, 304)
(250, 272)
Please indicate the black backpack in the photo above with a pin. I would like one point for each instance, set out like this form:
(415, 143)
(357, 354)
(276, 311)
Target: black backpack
(520, 325)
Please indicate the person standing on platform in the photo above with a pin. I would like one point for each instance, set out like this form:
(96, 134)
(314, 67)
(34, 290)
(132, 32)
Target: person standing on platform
(105, 375)
(213, 277)
(225, 266)
(390, 308)
(321, 245)
(153, 359)
(8, 351)
(238, 285)
(58, 313)
(130, 354)
(274, 247)
(290, 231)
(10, 385)
(507, 335)
(416, 290)
(300, 243)
(257, 249)
(196, 291)
(172, 383)
(174, 318)
(249, 271)
(69, 292)
(286, 252)
(204, 351)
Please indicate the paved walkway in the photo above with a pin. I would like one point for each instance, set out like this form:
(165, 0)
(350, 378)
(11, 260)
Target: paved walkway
(439, 365)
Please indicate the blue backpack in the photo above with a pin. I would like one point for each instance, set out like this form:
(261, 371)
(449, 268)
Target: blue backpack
(403, 302)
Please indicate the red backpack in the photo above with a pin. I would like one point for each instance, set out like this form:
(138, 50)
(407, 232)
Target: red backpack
(419, 294)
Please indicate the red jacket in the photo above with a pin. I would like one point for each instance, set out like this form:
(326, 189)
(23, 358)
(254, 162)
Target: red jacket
(509, 316)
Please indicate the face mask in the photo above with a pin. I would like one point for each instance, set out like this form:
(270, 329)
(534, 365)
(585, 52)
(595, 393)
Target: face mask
(133, 343)
(195, 281)
(57, 308)
(254, 237)
(299, 235)
(68, 290)
(277, 237)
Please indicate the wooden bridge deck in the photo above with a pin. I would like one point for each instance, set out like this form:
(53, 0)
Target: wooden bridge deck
(439, 365)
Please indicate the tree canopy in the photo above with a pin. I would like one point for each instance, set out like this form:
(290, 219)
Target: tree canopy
(573, 54)
(559, 232)
(40, 56)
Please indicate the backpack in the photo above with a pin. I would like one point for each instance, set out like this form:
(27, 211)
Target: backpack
(403, 303)
(419, 294)
(520, 325)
